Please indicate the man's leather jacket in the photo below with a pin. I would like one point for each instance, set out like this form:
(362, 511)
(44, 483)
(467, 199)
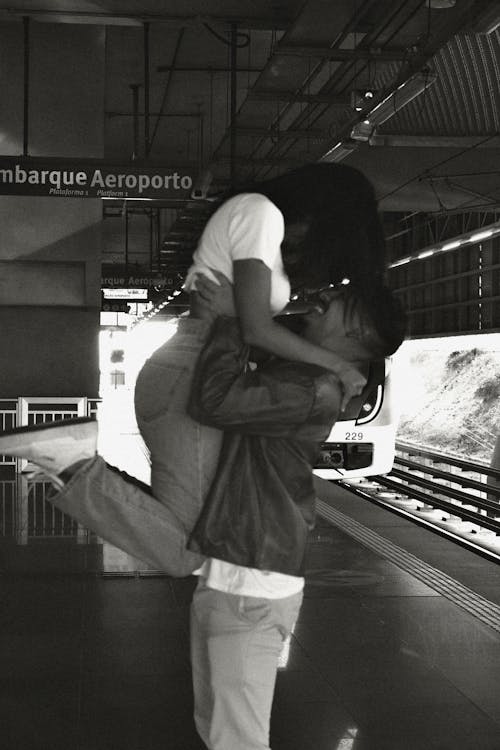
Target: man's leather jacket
(275, 417)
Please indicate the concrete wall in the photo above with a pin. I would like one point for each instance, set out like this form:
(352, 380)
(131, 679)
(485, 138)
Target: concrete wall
(50, 248)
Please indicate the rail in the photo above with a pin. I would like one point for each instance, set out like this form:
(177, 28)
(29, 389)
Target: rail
(451, 495)
(437, 457)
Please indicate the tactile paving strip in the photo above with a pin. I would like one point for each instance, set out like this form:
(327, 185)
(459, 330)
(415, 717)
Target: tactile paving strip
(476, 605)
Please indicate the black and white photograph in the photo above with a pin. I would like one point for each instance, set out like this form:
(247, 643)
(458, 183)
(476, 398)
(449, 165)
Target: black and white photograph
(250, 375)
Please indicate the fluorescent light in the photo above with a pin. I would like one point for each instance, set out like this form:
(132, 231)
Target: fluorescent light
(451, 245)
(404, 94)
(363, 131)
(481, 236)
(340, 151)
(400, 262)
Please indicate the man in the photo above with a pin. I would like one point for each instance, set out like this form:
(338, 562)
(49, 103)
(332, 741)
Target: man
(249, 542)
(254, 524)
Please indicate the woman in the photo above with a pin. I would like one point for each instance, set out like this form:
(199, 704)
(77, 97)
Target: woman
(303, 230)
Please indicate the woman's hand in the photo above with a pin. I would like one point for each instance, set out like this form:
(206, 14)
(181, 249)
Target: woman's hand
(352, 381)
(216, 298)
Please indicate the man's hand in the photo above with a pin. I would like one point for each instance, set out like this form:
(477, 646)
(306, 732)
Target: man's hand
(216, 298)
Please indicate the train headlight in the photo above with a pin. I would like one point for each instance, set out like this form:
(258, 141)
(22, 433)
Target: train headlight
(330, 458)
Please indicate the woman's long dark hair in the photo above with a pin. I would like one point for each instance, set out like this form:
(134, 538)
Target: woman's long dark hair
(345, 238)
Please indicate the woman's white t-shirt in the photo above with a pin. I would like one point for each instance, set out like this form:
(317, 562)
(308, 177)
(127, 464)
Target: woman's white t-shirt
(246, 226)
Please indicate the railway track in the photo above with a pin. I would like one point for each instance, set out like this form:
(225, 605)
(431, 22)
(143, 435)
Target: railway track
(454, 497)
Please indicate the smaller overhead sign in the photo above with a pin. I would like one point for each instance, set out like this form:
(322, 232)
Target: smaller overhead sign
(126, 294)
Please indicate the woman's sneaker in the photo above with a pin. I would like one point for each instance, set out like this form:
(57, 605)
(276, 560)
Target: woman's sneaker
(53, 446)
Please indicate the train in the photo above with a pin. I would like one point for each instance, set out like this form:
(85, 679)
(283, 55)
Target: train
(362, 441)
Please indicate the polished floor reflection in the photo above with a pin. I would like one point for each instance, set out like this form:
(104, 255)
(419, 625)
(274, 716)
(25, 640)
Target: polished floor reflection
(94, 646)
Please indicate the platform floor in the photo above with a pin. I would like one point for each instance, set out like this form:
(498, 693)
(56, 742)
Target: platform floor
(94, 650)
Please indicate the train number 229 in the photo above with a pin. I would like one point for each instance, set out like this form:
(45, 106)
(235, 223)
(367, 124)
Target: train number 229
(353, 436)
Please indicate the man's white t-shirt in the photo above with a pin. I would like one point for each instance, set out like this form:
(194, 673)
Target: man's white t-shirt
(246, 226)
(242, 581)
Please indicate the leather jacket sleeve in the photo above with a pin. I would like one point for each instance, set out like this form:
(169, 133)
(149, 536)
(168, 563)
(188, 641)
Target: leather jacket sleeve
(273, 399)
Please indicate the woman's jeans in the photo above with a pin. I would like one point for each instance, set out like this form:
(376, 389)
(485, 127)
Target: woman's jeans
(154, 526)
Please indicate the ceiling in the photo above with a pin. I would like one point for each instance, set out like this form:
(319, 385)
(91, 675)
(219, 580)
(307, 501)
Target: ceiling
(244, 89)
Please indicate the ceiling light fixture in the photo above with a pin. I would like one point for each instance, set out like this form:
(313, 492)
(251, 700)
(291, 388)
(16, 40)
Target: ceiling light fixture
(481, 235)
(403, 95)
(492, 231)
(451, 245)
(360, 98)
(400, 262)
(340, 151)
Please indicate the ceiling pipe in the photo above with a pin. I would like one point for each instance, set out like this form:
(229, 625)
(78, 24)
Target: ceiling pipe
(135, 114)
(26, 36)
(146, 91)
(232, 114)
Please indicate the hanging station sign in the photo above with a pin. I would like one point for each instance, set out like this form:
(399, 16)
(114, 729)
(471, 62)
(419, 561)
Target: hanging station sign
(90, 178)
(118, 277)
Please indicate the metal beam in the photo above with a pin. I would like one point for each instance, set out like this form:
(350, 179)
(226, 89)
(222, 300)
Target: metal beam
(270, 162)
(26, 87)
(282, 134)
(153, 114)
(273, 21)
(204, 69)
(146, 57)
(434, 141)
(290, 96)
(339, 55)
(233, 131)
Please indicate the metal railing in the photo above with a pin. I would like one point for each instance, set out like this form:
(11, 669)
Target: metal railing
(8, 508)
(44, 520)
(35, 410)
(26, 514)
